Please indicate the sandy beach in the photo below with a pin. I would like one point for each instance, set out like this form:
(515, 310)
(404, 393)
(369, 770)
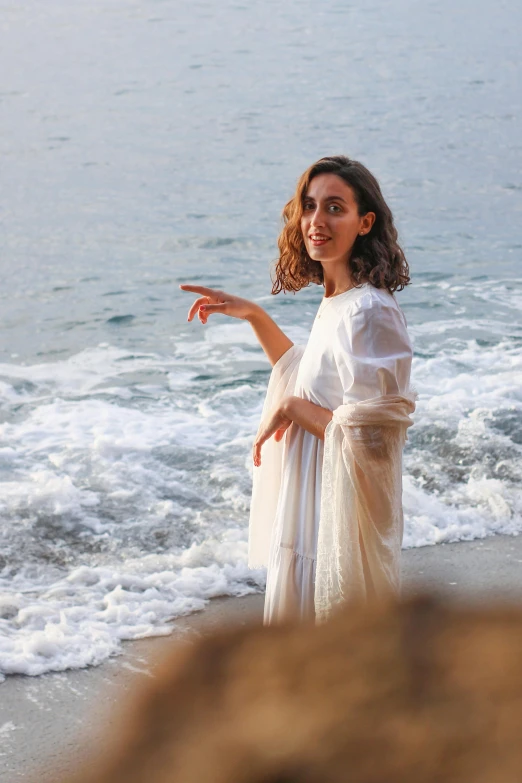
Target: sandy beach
(53, 722)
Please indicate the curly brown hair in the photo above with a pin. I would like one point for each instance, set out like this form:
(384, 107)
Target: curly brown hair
(376, 257)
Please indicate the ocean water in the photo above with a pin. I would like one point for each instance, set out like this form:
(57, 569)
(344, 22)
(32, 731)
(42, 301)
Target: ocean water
(150, 143)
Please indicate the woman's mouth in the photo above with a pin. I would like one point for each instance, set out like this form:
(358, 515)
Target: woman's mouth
(317, 240)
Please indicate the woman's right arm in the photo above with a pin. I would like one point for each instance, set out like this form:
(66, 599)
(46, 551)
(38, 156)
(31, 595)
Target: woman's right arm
(272, 339)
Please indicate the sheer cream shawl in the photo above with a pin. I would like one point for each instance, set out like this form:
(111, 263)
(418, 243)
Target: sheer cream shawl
(361, 521)
(266, 480)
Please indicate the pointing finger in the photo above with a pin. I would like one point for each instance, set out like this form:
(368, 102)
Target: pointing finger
(199, 289)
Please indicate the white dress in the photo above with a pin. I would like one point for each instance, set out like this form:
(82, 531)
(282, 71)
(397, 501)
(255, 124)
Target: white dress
(358, 349)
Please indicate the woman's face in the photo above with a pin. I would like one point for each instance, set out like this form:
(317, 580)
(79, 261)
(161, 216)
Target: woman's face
(331, 221)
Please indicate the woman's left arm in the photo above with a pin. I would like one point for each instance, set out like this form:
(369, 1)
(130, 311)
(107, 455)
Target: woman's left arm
(305, 414)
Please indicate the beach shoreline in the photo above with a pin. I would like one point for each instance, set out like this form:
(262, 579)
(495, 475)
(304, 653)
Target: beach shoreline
(53, 722)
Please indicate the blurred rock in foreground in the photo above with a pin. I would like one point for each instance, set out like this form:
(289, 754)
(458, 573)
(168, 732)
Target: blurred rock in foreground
(425, 690)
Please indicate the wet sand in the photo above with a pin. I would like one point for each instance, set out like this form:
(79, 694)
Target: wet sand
(53, 722)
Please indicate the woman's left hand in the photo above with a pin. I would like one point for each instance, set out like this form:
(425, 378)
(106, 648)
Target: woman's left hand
(276, 424)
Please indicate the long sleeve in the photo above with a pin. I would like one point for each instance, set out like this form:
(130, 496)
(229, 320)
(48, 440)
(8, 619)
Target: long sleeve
(372, 350)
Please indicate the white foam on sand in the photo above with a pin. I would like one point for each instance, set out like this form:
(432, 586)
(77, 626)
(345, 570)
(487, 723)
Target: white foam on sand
(6, 731)
(81, 619)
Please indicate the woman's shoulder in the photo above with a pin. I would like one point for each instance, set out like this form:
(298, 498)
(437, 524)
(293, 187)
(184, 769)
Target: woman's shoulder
(368, 297)
(370, 305)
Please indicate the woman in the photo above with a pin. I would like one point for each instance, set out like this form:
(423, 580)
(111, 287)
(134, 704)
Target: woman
(326, 512)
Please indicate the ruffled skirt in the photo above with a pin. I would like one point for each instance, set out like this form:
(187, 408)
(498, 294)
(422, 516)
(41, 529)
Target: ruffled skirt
(291, 565)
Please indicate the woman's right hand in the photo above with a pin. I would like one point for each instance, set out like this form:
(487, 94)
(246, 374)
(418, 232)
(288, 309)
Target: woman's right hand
(211, 300)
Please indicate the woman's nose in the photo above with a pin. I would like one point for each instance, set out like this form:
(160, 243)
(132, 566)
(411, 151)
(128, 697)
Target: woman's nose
(317, 218)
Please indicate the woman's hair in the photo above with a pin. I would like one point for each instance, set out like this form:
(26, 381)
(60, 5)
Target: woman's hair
(376, 256)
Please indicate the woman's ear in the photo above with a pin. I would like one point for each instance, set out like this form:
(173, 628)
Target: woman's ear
(367, 222)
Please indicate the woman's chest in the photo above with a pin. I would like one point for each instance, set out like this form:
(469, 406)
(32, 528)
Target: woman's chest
(318, 377)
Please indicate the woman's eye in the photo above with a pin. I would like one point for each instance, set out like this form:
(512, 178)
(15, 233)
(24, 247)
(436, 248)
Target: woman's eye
(308, 205)
(334, 208)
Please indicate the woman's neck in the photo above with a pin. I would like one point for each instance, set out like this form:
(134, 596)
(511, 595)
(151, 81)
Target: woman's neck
(336, 281)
